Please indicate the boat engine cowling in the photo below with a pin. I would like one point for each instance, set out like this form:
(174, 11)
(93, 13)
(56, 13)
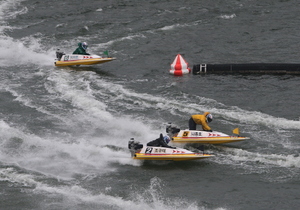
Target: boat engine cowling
(171, 129)
(134, 146)
(59, 54)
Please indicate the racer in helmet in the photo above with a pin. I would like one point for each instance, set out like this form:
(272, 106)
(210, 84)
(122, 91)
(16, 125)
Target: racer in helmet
(203, 120)
(162, 141)
(81, 49)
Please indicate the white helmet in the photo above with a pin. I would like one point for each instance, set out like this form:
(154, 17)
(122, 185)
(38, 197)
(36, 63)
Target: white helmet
(84, 45)
(209, 118)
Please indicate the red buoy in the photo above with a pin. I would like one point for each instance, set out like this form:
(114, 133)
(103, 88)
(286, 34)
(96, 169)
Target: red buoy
(179, 66)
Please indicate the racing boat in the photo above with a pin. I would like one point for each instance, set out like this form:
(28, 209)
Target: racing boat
(202, 137)
(63, 59)
(140, 152)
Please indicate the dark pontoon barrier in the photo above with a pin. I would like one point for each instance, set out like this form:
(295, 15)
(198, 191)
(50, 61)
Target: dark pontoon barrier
(250, 68)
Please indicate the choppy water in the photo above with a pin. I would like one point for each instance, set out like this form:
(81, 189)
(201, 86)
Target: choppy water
(64, 131)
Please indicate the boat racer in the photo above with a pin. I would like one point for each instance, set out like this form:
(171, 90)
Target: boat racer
(81, 49)
(203, 120)
(162, 141)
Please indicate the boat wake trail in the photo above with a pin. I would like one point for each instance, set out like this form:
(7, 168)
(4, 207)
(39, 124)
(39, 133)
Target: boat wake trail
(75, 196)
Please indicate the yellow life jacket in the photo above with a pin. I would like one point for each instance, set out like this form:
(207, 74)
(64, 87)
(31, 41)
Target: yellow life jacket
(201, 120)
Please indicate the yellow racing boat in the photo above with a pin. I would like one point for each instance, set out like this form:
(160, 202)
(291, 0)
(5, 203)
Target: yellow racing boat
(139, 152)
(78, 60)
(204, 137)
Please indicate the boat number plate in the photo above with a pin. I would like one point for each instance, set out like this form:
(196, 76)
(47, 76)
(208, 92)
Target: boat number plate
(185, 133)
(148, 150)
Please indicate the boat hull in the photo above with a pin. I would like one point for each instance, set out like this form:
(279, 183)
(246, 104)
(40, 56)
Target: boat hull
(212, 140)
(140, 152)
(173, 157)
(77, 60)
(203, 137)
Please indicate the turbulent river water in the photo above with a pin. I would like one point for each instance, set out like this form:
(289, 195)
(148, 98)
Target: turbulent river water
(64, 131)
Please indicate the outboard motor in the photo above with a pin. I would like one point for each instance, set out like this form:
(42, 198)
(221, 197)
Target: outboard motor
(172, 130)
(59, 54)
(133, 146)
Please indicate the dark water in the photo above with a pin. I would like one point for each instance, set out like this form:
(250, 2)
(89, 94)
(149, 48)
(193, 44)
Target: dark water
(64, 131)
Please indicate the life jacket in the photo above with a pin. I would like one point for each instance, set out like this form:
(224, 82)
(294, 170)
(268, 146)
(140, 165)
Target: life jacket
(201, 120)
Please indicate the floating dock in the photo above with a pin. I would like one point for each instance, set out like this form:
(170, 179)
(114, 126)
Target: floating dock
(248, 68)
